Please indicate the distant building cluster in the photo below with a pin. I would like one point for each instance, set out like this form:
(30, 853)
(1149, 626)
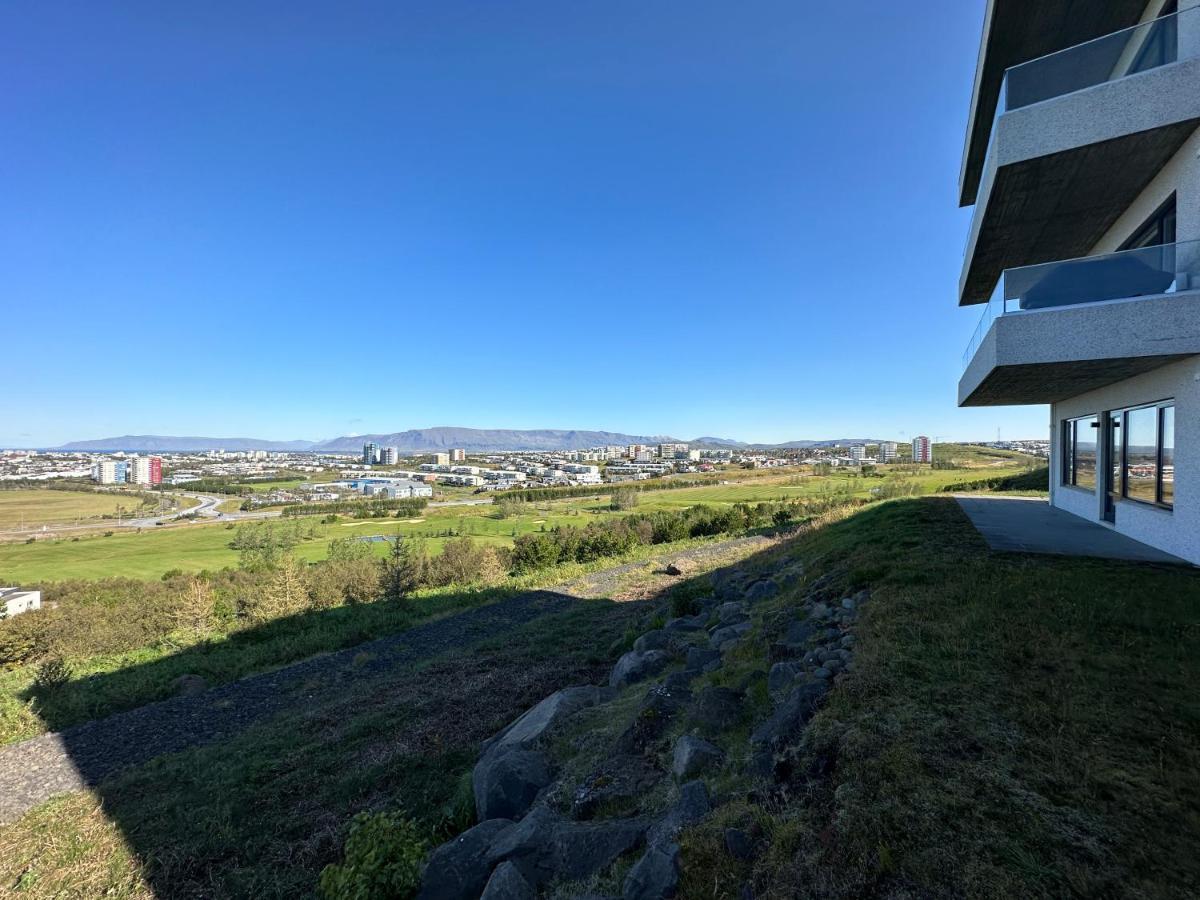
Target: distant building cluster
(132, 470)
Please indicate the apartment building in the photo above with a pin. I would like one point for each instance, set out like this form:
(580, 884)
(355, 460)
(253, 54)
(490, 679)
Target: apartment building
(370, 454)
(922, 449)
(144, 470)
(1082, 163)
(458, 455)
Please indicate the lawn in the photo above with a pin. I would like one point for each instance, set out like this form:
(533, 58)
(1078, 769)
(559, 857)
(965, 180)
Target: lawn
(33, 507)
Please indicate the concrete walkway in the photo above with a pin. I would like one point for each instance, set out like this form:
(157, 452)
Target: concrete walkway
(1032, 525)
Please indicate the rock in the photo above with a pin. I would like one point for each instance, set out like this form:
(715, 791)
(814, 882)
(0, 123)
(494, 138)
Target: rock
(507, 781)
(724, 638)
(739, 844)
(651, 640)
(702, 659)
(848, 603)
(190, 685)
(693, 756)
(733, 611)
(680, 682)
(655, 875)
(536, 722)
(791, 715)
(636, 666)
(618, 779)
(685, 624)
(544, 846)
(458, 869)
(823, 672)
(691, 807)
(848, 641)
(782, 676)
(717, 708)
(657, 709)
(727, 583)
(761, 590)
(507, 883)
(820, 611)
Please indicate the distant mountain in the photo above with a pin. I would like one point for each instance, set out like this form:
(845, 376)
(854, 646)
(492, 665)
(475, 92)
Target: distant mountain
(155, 443)
(718, 442)
(431, 440)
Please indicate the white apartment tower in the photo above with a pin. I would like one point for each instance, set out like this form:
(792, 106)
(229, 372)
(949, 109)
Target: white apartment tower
(1082, 163)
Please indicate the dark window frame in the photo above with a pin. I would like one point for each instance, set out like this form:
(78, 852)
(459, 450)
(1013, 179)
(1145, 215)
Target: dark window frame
(1070, 451)
(1122, 489)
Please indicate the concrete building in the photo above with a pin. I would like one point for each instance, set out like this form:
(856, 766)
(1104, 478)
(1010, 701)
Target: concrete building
(389, 456)
(144, 470)
(370, 454)
(458, 456)
(14, 601)
(922, 449)
(441, 459)
(887, 452)
(104, 471)
(1082, 162)
(858, 453)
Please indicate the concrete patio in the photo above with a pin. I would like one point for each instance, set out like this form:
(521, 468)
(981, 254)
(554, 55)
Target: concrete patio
(1031, 525)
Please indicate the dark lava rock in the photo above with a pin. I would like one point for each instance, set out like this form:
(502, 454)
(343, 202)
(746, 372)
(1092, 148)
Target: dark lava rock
(506, 782)
(791, 715)
(694, 755)
(544, 846)
(657, 709)
(651, 640)
(761, 590)
(635, 666)
(655, 875)
(717, 708)
(703, 659)
(458, 869)
(691, 807)
(619, 779)
(507, 883)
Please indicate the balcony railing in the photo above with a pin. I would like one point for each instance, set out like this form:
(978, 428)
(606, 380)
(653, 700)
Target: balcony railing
(1112, 57)
(1143, 272)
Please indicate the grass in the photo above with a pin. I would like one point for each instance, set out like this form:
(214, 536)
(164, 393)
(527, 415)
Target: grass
(260, 815)
(1016, 726)
(34, 507)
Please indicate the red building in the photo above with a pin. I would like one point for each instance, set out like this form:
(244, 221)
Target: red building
(156, 470)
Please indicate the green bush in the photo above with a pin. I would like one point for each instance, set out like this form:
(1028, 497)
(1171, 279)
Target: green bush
(384, 852)
(51, 675)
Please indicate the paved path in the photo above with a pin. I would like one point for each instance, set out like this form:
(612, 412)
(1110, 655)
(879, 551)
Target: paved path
(1032, 525)
(37, 769)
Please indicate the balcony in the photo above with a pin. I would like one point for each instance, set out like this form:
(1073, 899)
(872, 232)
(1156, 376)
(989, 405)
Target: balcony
(1077, 136)
(1055, 330)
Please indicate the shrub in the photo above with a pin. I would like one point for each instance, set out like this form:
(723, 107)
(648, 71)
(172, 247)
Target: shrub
(623, 498)
(507, 507)
(51, 675)
(384, 853)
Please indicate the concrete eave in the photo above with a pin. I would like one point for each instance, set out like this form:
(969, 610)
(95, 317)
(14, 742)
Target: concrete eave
(1059, 173)
(1048, 355)
(1016, 31)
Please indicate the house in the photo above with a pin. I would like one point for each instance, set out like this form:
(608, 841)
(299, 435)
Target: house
(14, 601)
(1082, 163)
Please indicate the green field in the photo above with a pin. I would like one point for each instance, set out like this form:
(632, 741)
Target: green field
(33, 507)
(199, 546)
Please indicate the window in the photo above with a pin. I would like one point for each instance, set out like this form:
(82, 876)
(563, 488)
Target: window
(1147, 467)
(1156, 231)
(1079, 452)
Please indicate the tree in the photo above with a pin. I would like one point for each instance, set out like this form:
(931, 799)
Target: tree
(285, 594)
(405, 569)
(624, 498)
(194, 608)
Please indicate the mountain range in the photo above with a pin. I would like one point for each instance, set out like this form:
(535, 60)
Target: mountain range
(430, 440)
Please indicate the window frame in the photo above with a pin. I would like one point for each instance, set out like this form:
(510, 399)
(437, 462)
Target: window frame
(1070, 451)
(1122, 490)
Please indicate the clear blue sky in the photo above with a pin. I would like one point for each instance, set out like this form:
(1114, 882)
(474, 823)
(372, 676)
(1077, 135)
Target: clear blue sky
(301, 219)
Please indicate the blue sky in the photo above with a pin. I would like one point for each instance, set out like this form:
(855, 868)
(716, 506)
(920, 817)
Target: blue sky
(300, 219)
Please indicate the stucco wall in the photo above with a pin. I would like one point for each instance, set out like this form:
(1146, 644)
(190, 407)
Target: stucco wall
(1176, 531)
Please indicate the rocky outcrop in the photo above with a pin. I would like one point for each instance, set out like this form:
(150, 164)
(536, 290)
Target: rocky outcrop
(507, 781)
(637, 666)
(459, 868)
(693, 756)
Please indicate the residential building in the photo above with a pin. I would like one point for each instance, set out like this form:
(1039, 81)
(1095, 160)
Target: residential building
(673, 451)
(441, 459)
(389, 456)
(887, 451)
(458, 456)
(1082, 162)
(144, 470)
(14, 601)
(104, 471)
(370, 454)
(922, 449)
(858, 453)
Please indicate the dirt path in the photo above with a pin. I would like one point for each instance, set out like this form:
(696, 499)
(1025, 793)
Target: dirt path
(86, 754)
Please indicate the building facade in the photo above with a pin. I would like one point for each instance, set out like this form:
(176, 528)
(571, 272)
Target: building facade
(458, 455)
(389, 456)
(1082, 163)
(922, 449)
(370, 454)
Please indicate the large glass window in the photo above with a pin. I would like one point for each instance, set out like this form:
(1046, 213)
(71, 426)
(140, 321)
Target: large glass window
(1079, 452)
(1141, 454)
(1167, 457)
(1147, 464)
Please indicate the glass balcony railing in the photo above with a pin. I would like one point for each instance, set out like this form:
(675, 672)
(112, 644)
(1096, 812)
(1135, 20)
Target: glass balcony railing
(1144, 272)
(1110, 58)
